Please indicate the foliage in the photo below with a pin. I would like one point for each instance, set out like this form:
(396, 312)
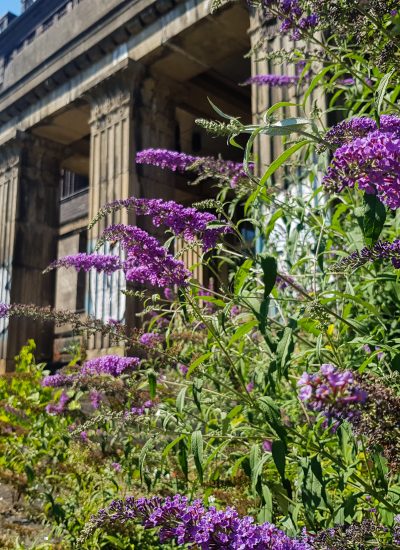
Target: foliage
(274, 389)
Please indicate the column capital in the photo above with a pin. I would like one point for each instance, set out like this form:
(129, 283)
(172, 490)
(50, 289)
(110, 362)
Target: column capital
(10, 155)
(112, 99)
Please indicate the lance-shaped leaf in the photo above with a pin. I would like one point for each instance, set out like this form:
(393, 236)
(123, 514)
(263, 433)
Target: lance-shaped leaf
(371, 218)
(197, 452)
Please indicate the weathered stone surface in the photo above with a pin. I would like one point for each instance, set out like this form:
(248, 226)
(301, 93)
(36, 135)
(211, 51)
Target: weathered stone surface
(29, 230)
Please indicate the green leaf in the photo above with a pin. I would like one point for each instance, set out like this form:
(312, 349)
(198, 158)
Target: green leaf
(285, 127)
(180, 399)
(263, 316)
(284, 350)
(270, 267)
(241, 276)
(198, 362)
(218, 111)
(242, 330)
(257, 471)
(183, 458)
(152, 380)
(313, 488)
(280, 105)
(171, 445)
(381, 91)
(142, 457)
(271, 224)
(265, 513)
(381, 470)
(277, 163)
(314, 82)
(279, 456)
(272, 415)
(197, 451)
(371, 218)
(197, 386)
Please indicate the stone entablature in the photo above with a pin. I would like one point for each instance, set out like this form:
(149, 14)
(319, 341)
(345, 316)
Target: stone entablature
(81, 32)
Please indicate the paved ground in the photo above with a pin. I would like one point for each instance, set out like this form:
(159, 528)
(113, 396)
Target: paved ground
(17, 530)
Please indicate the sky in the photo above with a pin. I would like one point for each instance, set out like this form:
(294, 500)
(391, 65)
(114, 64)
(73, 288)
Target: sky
(10, 5)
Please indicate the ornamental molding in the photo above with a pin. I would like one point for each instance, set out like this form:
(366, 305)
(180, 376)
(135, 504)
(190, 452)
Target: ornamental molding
(112, 99)
(10, 158)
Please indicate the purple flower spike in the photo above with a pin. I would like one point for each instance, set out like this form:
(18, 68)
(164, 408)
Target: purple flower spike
(381, 250)
(372, 163)
(85, 262)
(273, 80)
(113, 365)
(185, 523)
(347, 130)
(292, 17)
(163, 158)
(150, 339)
(96, 398)
(203, 166)
(58, 380)
(58, 408)
(147, 261)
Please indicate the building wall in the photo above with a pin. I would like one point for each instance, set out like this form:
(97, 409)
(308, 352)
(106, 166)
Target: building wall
(143, 80)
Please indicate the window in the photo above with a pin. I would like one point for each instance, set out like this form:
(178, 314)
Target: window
(72, 184)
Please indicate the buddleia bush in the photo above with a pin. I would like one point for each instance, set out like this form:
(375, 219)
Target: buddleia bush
(258, 406)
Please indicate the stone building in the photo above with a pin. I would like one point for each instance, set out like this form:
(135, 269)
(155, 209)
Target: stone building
(84, 84)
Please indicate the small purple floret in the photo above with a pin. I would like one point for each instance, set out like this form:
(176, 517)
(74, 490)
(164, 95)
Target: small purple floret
(330, 391)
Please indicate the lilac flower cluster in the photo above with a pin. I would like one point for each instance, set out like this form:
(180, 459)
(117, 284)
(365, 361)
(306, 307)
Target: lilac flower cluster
(382, 250)
(150, 339)
(191, 523)
(380, 355)
(4, 310)
(58, 380)
(267, 446)
(101, 263)
(182, 162)
(330, 391)
(356, 127)
(293, 18)
(362, 535)
(140, 410)
(96, 398)
(273, 80)
(147, 261)
(113, 365)
(166, 159)
(284, 283)
(186, 221)
(349, 81)
(183, 369)
(60, 406)
(372, 163)
(396, 530)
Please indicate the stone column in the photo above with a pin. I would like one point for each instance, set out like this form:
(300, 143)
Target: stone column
(29, 206)
(266, 28)
(112, 176)
(9, 180)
